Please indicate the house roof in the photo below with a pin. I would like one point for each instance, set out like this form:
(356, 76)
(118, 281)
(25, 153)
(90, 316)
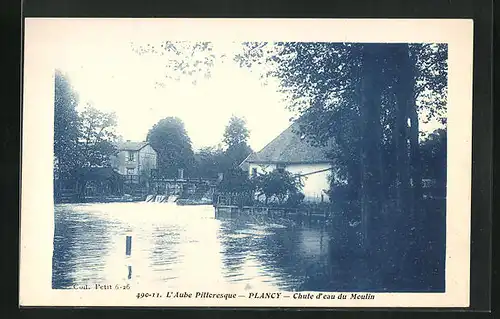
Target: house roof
(288, 147)
(131, 146)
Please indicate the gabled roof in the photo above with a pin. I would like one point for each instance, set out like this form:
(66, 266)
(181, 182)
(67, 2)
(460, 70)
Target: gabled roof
(131, 146)
(289, 147)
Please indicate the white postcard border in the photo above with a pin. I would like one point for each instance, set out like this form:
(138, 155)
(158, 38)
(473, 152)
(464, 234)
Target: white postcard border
(44, 46)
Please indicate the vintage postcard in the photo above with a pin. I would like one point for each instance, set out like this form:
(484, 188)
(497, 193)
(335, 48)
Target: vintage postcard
(246, 163)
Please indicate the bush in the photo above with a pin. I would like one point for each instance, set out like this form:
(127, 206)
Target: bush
(235, 180)
(295, 199)
(282, 185)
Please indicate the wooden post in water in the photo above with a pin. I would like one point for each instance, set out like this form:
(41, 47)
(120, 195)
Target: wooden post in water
(128, 253)
(128, 245)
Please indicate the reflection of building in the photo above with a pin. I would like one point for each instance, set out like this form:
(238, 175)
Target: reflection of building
(88, 183)
(290, 151)
(134, 161)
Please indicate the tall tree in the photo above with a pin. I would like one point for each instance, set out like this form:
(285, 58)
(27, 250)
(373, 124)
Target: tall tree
(236, 132)
(66, 124)
(170, 139)
(96, 143)
(368, 99)
(210, 162)
(371, 136)
(97, 137)
(235, 138)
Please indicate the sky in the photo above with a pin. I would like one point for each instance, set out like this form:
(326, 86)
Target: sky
(114, 78)
(109, 74)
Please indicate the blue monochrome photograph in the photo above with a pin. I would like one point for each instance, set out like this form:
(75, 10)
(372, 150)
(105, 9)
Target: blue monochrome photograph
(252, 167)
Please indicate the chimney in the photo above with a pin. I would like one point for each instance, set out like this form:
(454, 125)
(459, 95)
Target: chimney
(128, 140)
(181, 173)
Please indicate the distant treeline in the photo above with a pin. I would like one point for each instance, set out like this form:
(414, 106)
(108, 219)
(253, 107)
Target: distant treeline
(173, 145)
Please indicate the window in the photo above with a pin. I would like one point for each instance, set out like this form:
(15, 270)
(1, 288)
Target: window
(130, 171)
(254, 171)
(130, 156)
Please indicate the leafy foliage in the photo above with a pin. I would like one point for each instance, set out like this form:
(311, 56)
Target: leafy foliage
(183, 59)
(210, 162)
(434, 156)
(81, 140)
(235, 138)
(237, 181)
(369, 100)
(324, 84)
(431, 77)
(66, 123)
(214, 160)
(279, 184)
(312, 73)
(236, 132)
(97, 137)
(170, 140)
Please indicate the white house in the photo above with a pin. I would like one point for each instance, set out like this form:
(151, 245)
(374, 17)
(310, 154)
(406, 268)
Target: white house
(291, 151)
(134, 159)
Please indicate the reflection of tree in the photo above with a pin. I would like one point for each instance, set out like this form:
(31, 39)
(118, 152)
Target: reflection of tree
(333, 268)
(79, 244)
(234, 248)
(165, 246)
(282, 252)
(63, 254)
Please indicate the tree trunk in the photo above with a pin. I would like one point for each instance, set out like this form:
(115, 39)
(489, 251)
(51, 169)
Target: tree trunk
(415, 161)
(371, 80)
(407, 138)
(403, 91)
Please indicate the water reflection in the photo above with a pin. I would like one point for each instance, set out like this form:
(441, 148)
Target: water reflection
(185, 247)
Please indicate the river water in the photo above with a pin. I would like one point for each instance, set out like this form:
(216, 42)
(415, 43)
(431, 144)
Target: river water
(186, 247)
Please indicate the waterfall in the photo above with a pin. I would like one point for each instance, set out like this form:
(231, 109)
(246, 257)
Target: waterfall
(172, 198)
(160, 199)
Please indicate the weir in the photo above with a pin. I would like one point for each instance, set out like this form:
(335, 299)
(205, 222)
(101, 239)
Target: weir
(161, 199)
(172, 198)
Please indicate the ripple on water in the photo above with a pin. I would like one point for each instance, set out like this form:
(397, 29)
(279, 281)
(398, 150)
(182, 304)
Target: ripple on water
(176, 244)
